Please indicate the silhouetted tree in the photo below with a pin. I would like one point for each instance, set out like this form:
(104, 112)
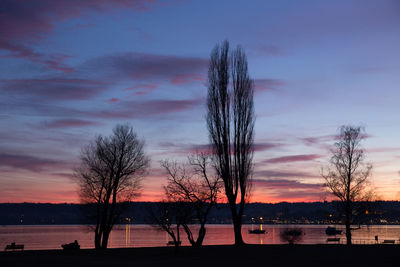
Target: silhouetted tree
(109, 176)
(230, 121)
(348, 174)
(194, 185)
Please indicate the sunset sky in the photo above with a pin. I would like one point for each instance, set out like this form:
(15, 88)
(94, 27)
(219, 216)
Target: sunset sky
(71, 69)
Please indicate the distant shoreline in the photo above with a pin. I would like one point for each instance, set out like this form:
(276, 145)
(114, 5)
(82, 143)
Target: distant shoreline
(381, 213)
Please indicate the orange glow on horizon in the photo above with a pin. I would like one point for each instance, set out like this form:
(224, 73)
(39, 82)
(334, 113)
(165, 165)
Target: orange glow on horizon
(73, 198)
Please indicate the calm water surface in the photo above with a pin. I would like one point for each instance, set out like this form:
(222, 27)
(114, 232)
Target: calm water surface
(51, 237)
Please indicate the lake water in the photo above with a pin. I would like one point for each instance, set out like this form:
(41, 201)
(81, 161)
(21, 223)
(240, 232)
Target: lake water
(52, 236)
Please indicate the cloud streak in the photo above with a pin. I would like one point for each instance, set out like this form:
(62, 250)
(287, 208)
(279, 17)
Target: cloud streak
(67, 123)
(283, 174)
(150, 67)
(262, 85)
(143, 109)
(58, 89)
(29, 163)
(285, 184)
(294, 158)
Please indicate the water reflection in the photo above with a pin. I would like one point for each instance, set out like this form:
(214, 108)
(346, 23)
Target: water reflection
(51, 237)
(128, 227)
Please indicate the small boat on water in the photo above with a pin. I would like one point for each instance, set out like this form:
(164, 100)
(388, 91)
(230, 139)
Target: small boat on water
(257, 231)
(332, 231)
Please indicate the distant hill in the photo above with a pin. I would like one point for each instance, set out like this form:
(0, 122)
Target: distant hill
(316, 212)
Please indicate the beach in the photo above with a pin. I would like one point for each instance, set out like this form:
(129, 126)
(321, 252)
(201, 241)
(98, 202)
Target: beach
(247, 255)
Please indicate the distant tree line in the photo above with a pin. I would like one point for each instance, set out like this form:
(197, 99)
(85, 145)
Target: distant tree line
(47, 214)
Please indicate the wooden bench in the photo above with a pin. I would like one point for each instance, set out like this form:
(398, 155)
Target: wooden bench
(333, 239)
(14, 246)
(388, 241)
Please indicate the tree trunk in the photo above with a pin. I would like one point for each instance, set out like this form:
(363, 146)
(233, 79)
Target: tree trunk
(104, 242)
(200, 238)
(237, 223)
(237, 227)
(348, 232)
(97, 238)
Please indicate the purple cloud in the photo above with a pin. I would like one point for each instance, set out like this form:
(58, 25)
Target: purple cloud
(187, 149)
(372, 70)
(23, 24)
(285, 184)
(283, 174)
(293, 158)
(143, 86)
(55, 61)
(322, 140)
(67, 123)
(271, 50)
(29, 163)
(54, 89)
(266, 146)
(150, 67)
(135, 109)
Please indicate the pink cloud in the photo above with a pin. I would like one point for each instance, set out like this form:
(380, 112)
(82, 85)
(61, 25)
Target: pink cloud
(283, 174)
(383, 149)
(285, 184)
(180, 79)
(277, 190)
(293, 158)
(261, 85)
(266, 146)
(113, 100)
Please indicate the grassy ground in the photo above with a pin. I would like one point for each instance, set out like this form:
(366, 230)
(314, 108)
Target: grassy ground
(246, 256)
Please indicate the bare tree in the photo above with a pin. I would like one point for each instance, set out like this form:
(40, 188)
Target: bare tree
(230, 121)
(348, 174)
(109, 176)
(194, 186)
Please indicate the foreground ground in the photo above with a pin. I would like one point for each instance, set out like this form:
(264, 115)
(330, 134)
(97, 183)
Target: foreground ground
(249, 255)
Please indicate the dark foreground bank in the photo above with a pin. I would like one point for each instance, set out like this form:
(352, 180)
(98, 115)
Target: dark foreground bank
(249, 255)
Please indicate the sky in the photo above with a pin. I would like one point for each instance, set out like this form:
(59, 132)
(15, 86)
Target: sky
(70, 70)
